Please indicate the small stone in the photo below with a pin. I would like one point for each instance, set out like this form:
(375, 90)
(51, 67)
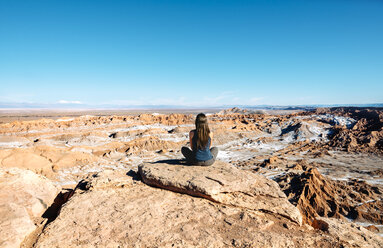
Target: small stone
(372, 228)
(243, 216)
(320, 225)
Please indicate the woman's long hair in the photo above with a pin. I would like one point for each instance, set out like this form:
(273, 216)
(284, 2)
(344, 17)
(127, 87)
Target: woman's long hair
(203, 131)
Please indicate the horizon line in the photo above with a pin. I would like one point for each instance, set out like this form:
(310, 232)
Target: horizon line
(85, 107)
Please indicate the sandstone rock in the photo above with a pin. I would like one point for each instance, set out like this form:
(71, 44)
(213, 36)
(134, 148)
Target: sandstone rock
(236, 110)
(179, 130)
(150, 143)
(71, 159)
(137, 215)
(171, 119)
(372, 228)
(273, 159)
(297, 131)
(222, 183)
(368, 211)
(316, 195)
(24, 196)
(27, 159)
(355, 235)
(15, 224)
(365, 135)
(76, 147)
(320, 224)
(107, 179)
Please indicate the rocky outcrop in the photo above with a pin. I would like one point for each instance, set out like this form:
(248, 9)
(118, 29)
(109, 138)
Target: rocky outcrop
(316, 195)
(24, 196)
(355, 235)
(112, 209)
(365, 135)
(222, 183)
(236, 110)
(220, 205)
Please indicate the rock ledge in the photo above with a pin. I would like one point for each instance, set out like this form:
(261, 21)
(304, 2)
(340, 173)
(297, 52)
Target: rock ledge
(222, 183)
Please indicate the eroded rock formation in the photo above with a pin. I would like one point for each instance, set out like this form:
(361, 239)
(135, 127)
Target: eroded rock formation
(113, 209)
(318, 196)
(365, 135)
(216, 206)
(24, 197)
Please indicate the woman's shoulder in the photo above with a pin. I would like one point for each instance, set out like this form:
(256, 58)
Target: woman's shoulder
(192, 132)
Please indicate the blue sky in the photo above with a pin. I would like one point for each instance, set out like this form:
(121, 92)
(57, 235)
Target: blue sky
(198, 53)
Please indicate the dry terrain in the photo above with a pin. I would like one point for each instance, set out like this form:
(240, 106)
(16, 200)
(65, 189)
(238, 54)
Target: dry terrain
(118, 179)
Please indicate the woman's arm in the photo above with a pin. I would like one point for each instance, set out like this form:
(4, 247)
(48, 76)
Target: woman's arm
(191, 134)
(211, 138)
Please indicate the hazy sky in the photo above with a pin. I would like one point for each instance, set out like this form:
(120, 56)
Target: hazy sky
(191, 52)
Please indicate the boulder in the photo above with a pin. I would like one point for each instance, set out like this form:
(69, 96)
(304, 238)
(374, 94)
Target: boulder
(222, 183)
(24, 196)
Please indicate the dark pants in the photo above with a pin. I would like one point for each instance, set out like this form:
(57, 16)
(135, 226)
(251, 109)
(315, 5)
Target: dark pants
(188, 154)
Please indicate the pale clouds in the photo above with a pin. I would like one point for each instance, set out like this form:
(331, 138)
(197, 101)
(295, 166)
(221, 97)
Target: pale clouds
(69, 102)
(211, 100)
(255, 100)
(150, 101)
(230, 98)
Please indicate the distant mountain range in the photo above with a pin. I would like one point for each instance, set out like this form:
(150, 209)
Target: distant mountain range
(5, 105)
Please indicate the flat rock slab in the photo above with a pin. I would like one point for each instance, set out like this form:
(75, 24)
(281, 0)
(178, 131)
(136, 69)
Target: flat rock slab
(115, 210)
(222, 183)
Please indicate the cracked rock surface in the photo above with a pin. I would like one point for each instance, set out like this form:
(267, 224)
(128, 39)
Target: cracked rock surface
(222, 183)
(108, 213)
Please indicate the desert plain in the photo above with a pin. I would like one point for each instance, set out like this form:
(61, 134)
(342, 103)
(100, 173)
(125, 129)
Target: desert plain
(117, 179)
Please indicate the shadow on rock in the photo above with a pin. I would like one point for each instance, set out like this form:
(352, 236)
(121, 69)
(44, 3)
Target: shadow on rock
(173, 162)
(134, 175)
(54, 210)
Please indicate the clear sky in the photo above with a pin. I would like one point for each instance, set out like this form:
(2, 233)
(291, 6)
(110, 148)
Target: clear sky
(196, 52)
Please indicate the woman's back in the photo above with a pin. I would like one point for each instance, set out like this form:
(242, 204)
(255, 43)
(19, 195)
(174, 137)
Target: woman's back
(201, 154)
(200, 140)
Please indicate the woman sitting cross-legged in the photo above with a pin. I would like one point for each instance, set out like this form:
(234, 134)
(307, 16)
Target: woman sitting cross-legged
(200, 141)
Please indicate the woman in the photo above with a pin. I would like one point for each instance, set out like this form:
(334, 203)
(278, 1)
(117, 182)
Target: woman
(200, 141)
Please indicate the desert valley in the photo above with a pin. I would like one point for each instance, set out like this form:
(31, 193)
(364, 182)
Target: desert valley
(292, 179)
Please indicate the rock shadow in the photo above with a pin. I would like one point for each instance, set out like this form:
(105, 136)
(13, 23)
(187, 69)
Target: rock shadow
(134, 175)
(173, 162)
(54, 210)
